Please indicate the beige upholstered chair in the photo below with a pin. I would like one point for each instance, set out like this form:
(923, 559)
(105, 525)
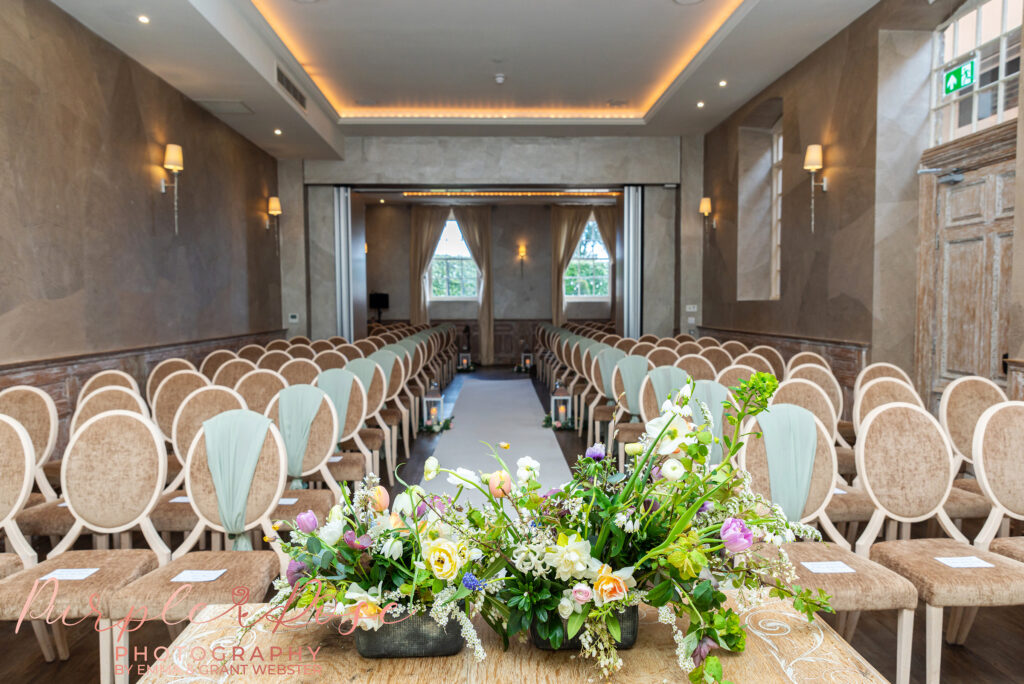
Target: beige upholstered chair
(129, 450)
(231, 371)
(625, 344)
(735, 348)
(349, 351)
(648, 338)
(320, 346)
(656, 387)
(907, 466)
(641, 349)
(807, 395)
(366, 346)
(697, 367)
(706, 342)
(823, 378)
(107, 378)
(667, 343)
(718, 357)
(320, 448)
(278, 345)
(329, 359)
(170, 395)
(259, 387)
(161, 371)
(627, 379)
(198, 407)
(662, 356)
(336, 340)
(800, 358)
(299, 339)
(301, 351)
(880, 391)
(395, 413)
(602, 409)
(251, 352)
(109, 398)
(35, 411)
(870, 586)
(963, 401)
(774, 358)
(688, 347)
(299, 372)
(351, 416)
(755, 361)
(683, 337)
(273, 359)
(377, 438)
(734, 374)
(879, 370)
(214, 360)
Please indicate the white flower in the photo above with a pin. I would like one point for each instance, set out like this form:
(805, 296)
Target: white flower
(402, 504)
(677, 431)
(528, 468)
(430, 468)
(332, 531)
(672, 470)
(392, 549)
(336, 513)
(566, 607)
(464, 476)
(571, 558)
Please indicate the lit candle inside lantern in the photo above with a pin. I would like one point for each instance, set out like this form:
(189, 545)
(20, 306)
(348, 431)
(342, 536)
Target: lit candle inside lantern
(433, 412)
(527, 361)
(561, 411)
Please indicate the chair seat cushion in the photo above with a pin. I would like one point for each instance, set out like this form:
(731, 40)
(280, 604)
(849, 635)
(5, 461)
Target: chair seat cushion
(350, 468)
(391, 416)
(1011, 547)
(254, 570)
(373, 438)
(964, 504)
(846, 462)
(317, 500)
(845, 428)
(629, 432)
(34, 499)
(853, 506)
(10, 563)
(968, 484)
(869, 587)
(940, 585)
(116, 568)
(52, 471)
(174, 517)
(604, 413)
(48, 519)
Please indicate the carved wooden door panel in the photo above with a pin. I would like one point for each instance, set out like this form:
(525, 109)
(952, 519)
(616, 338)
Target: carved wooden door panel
(972, 241)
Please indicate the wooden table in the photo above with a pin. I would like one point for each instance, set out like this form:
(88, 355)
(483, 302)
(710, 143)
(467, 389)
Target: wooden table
(781, 647)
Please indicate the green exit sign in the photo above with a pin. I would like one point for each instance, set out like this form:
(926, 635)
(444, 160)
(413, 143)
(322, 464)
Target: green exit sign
(960, 77)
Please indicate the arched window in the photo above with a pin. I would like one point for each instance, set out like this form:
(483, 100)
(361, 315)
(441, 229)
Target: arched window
(977, 58)
(453, 273)
(588, 275)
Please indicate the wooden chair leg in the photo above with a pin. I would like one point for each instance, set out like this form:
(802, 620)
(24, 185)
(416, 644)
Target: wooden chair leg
(60, 640)
(890, 530)
(841, 621)
(933, 643)
(904, 530)
(123, 661)
(904, 645)
(966, 622)
(953, 624)
(851, 626)
(622, 457)
(106, 653)
(176, 629)
(851, 532)
(44, 640)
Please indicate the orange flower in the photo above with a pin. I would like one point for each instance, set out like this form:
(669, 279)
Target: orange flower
(500, 484)
(612, 586)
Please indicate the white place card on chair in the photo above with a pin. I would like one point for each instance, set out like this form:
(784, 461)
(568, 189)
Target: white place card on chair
(964, 562)
(837, 490)
(198, 575)
(180, 499)
(826, 567)
(335, 459)
(69, 574)
(291, 501)
(62, 505)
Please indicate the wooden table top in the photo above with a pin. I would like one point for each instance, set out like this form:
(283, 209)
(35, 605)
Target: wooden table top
(781, 647)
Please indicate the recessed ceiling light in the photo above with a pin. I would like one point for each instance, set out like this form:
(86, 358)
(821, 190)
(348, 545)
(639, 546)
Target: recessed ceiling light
(143, 19)
(723, 83)
(277, 131)
(700, 105)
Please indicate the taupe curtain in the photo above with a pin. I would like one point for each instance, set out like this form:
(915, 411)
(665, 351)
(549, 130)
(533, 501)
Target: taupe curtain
(567, 224)
(475, 223)
(427, 224)
(608, 219)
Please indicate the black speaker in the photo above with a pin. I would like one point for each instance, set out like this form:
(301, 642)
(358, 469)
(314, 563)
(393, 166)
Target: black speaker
(378, 300)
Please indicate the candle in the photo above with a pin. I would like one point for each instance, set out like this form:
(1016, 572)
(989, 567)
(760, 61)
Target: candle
(561, 411)
(527, 361)
(433, 412)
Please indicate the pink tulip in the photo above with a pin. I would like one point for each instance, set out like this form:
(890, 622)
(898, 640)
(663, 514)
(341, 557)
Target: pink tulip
(379, 498)
(736, 536)
(500, 484)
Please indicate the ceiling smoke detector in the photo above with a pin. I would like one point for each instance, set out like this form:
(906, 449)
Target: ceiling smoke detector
(499, 78)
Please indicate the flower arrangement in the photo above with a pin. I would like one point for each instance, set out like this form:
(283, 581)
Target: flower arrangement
(436, 426)
(558, 424)
(671, 531)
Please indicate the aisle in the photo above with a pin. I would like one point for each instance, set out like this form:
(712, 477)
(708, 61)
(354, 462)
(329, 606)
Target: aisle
(495, 411)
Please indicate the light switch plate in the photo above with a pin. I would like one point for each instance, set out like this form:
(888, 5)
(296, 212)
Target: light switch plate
(691, 308)
(293, 318)
(691, 320)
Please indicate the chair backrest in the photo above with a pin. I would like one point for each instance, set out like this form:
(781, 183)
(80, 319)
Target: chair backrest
(904, 461)
(603, 369)
(667, 343)
(735, 348)
(273, 359)
(718, 357)
(278, 345)
(713, 395)
(688, 347)
(755, 361)
(301, 351)
(697, 367)
(963, 402)
(878, 392)
(800, 358)
(877, 370)
(625, 344)
(231, 371)
(329, 359)
(662, 356)
(214, 360)
(627, 377)
(36, 412)
(323, 429)
(683, 337)
(336, 340)
(299, 371)
(320, 346)
(773, 357)
(660, 383)
(394, 372)
(259, 387)
(107, 378)
(161, 371)
(109, 398)
(706, 342)
(251, 352)
(372, 377)
(366, 346)
(298, 339)
(171, 394)
(809, 396)
(198, 407)
(823, 378)
(788, 464)
(648, 338)
(997, 456)
(17, 470)
(734, 374)
(641, 349)
(349, 398)
(350, 351)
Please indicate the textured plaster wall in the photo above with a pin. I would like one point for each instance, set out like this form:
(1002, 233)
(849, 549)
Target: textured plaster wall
(691, 232)
(89, 261)
(322, 268)
(292, 228)
(659, 261)
(754, 254)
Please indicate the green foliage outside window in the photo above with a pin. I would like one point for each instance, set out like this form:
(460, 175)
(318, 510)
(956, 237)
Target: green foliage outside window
(589, 272)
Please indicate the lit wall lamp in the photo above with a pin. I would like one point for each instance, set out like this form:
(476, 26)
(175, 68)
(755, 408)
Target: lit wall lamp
(274, 209)
(522, 258)
(813, 163)
(173, 163)
(705, 209)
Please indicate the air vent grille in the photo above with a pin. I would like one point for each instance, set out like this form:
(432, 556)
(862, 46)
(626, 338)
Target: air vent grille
(290, 88)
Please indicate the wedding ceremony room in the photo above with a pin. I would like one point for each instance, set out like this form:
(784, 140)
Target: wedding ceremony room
(467, 341)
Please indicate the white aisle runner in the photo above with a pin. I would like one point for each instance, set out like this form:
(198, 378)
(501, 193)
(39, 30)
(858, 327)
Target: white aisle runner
(495, 411)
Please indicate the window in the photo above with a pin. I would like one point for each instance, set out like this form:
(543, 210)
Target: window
(588, 275)
(776, 209)
(453, 273)
(979, 45)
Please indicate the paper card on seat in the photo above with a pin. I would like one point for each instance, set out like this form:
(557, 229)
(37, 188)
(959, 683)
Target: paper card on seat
(837, 490)
(826, 567)
(180, 499)
(964, 562)
(69, 574)
(335, 459)
(198, 575)
(62, 505)
(287, 501)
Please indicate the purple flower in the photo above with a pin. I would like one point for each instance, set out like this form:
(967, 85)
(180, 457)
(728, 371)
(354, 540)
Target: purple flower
(702, 650)
(436, 503)
(735, 535)
(595, 452)
(552, 492)
(705, 507)
(656, 473)
(295, 571)
(470, 581)
(650, 505)
(357, 543)
(307, 522)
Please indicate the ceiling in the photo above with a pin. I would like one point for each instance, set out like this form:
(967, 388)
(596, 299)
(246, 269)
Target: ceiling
(428, 67)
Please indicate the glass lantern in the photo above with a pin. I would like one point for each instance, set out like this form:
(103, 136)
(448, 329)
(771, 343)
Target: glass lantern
(526, 361)
(561, 406)
(433, 405)
(465, 360)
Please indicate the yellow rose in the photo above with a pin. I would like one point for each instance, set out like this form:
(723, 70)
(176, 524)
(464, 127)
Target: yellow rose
(442, 557)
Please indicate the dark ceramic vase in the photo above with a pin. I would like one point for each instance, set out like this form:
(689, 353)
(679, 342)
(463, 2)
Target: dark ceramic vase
(414, 637)
(629, 625)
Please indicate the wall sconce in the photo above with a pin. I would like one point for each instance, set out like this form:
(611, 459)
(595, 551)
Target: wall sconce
(813, 163)
(522, 258)
(173, 162)
(705, 209)
(273, 208)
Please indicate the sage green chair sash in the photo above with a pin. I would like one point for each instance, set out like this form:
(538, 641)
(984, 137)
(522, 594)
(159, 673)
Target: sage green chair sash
(606, 361)
(632, 369)
(364, 369)
(297, 406)
(666, 381)
(790, 442)
(712, 394)
(337, 384)
(386, 359)
(234, 440)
